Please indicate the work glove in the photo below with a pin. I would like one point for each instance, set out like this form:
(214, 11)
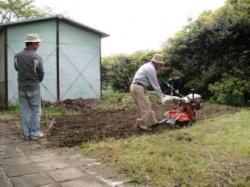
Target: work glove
(161, 98)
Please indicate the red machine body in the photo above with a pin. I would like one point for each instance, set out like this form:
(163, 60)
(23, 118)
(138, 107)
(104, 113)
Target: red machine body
(185, 112)
(185, 116)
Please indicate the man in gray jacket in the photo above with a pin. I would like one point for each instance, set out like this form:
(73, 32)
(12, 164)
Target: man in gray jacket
(146, 76)
(30, 70)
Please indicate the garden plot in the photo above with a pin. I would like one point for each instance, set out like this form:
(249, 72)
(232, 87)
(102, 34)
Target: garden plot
(92, 123)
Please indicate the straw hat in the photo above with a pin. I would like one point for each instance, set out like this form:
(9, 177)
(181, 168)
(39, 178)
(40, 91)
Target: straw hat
(32, 38)
(158, 58)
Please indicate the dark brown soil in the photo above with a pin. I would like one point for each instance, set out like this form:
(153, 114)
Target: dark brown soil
(95, 124)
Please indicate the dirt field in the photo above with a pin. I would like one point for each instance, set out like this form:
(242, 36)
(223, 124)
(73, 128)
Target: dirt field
(94, 123)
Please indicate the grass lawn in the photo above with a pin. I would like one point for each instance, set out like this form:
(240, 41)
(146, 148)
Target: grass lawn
(212, 152)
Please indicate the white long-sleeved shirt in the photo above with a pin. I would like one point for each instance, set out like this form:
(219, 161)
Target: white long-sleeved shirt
(146, 75)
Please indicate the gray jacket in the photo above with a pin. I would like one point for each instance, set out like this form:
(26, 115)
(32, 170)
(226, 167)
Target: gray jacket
(30, 70)
(146, 75)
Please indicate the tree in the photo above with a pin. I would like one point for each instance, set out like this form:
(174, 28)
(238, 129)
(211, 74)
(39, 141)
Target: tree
(118, 70)
(12, 10)
(215, 44)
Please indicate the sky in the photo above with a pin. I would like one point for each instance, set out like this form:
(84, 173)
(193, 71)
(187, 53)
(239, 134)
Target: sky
(132, 24)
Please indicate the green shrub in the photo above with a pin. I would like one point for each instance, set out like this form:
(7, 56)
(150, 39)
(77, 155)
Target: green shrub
(229, 90)
(118, 70)
(14, 108)
(215, 43)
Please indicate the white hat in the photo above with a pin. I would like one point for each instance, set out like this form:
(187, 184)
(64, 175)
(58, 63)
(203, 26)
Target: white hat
(158, 58)
(32, 38)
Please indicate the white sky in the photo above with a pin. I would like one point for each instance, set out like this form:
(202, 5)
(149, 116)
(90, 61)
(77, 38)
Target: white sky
(132, 24)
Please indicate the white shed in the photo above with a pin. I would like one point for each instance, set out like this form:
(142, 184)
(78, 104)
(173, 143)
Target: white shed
(71, 54)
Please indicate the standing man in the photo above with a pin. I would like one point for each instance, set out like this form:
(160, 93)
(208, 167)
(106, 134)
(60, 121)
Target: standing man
(146, 76)
(30, 70)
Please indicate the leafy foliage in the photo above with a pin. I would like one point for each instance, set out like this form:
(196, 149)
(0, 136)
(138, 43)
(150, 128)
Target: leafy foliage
(228, 90)
(118, 71)
(11, 10)
(215, 44)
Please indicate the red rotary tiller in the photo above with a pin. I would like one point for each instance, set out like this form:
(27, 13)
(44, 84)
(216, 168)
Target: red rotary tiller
(185, 111)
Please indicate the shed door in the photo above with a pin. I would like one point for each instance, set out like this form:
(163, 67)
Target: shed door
(79, 63)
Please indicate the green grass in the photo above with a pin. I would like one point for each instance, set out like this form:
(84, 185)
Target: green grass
(210, 153)
(14, 109)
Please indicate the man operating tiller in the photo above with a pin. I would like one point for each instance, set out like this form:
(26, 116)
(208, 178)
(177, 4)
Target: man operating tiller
(146, 76)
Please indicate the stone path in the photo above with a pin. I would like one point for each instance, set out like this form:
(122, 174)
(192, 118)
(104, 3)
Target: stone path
(30, 164)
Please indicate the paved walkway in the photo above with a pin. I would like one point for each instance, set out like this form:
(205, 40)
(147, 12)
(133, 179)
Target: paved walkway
(31, 164)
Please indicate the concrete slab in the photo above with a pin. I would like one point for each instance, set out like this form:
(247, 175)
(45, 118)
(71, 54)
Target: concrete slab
(19, 170)
(6, 142)
(53, 165)
(14, 161)
(31, 180)
(43, 157)
(7, 155)
(2, 147)
(107, 175)
(2, 173)
(66, 174)
(85, 181)
(51, 185)
(4, 180)
(11, 153)
(32, 147)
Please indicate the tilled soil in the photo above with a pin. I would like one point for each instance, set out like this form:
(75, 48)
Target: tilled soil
(95, 124)
(91, 125)
(9, 126)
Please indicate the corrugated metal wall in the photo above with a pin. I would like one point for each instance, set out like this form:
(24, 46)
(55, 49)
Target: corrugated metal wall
(47, 49)
(79, 63)
(2, 69)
